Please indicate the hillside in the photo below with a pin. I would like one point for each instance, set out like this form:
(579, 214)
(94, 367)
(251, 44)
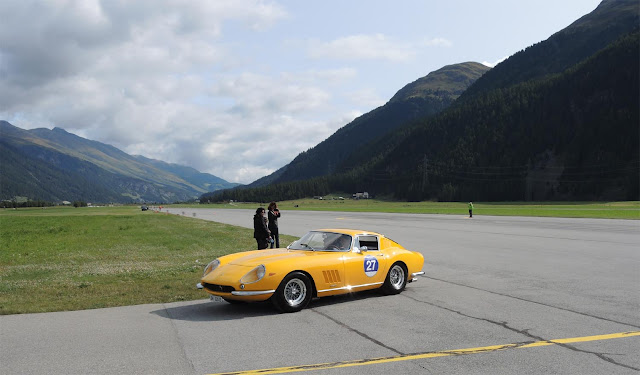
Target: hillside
(425, 97)
(55, 165)
(557, 121)
(447, 82)
(571, 136)
(567, 47)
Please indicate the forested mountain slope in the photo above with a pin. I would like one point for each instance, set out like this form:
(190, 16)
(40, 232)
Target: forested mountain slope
(576, 42)
(573, 135)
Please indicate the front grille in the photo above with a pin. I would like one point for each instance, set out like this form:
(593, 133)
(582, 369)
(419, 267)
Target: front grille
(218, 288)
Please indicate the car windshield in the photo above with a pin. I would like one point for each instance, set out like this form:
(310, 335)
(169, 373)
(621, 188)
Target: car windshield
(322, 241)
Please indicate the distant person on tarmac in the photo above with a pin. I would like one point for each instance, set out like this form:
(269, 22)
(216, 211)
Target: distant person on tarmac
(274, 214)
(470, 209)
(260, 231)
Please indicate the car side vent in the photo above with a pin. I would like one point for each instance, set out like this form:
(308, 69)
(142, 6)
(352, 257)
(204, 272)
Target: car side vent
(331, 276)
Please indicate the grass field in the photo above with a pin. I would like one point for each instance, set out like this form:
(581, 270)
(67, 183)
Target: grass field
(60, 259)
(602, 210)
(67, 258)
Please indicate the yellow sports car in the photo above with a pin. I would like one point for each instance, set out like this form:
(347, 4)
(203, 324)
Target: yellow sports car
(321, 263)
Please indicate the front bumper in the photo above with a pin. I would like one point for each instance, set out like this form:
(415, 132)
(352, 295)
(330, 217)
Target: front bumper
(238, 293)
(251, 292)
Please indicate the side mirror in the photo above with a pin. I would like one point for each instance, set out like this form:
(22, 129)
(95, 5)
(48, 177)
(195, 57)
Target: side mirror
(361, 250)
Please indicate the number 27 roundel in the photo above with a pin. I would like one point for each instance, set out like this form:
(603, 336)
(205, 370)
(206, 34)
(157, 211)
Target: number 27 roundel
(370, 266)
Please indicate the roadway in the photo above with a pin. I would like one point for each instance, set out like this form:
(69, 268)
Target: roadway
(496, 290)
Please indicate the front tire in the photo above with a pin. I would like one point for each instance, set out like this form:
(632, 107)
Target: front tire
(396, 279)
(293, 293)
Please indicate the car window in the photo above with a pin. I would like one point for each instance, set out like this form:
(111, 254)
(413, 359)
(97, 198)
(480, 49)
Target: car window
(367, 242)
(323, 241)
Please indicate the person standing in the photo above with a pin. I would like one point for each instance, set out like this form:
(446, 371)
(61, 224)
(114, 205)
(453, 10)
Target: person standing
(274, 214)
(260, 230)
(470, 209)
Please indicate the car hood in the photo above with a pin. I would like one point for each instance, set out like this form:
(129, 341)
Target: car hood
(255, 258)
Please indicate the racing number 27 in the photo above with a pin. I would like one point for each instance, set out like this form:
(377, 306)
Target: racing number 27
(370, 265)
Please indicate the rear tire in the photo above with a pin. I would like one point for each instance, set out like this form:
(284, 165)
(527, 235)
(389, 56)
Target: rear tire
(396, 279)
(293, 293)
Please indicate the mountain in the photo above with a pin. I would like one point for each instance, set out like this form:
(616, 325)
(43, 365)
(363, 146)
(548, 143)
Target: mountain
(446, 83)
(575, 43)
(204, 181)
(55, 165)
(426, 96)
(557, 121)
(570, 136)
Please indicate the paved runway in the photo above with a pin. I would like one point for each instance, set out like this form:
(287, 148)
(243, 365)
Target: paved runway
(496, 290)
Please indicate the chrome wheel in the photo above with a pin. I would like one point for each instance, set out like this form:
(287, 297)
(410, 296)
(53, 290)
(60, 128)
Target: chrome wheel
(397, 277)
(295, 291)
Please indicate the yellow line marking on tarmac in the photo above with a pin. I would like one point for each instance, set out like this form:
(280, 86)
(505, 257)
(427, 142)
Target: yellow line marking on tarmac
(446, 353)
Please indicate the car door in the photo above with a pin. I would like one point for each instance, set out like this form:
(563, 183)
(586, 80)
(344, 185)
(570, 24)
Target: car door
(327, 270)
(365, 265)
(326, 267)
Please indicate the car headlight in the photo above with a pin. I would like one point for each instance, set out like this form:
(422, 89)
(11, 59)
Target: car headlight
(210, 267)
(254, 275)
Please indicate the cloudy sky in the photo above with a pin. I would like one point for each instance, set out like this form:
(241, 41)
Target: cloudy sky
(238, 88)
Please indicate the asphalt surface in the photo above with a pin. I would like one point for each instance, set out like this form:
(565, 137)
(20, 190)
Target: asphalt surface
(490, 282)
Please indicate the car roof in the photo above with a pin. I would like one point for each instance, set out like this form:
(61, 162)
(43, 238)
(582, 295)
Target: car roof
(351, 232)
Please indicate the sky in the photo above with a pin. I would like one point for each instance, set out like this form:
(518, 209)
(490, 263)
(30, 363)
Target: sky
(238, 88)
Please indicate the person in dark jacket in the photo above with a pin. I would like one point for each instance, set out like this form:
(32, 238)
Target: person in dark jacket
(274, 214)
(260, 230)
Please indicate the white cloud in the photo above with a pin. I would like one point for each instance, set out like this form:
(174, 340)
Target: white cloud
(258, 93)
(362, 47)
(135, 75)
(436, 42)
(366, 98)
(339, 75)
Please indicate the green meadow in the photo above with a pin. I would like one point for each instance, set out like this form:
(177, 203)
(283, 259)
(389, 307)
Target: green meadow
(66, 258)
(59, 259)
(601, 210)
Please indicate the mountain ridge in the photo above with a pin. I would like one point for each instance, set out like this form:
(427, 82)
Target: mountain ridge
(424, 97)
(565, 48)
(90, 166)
